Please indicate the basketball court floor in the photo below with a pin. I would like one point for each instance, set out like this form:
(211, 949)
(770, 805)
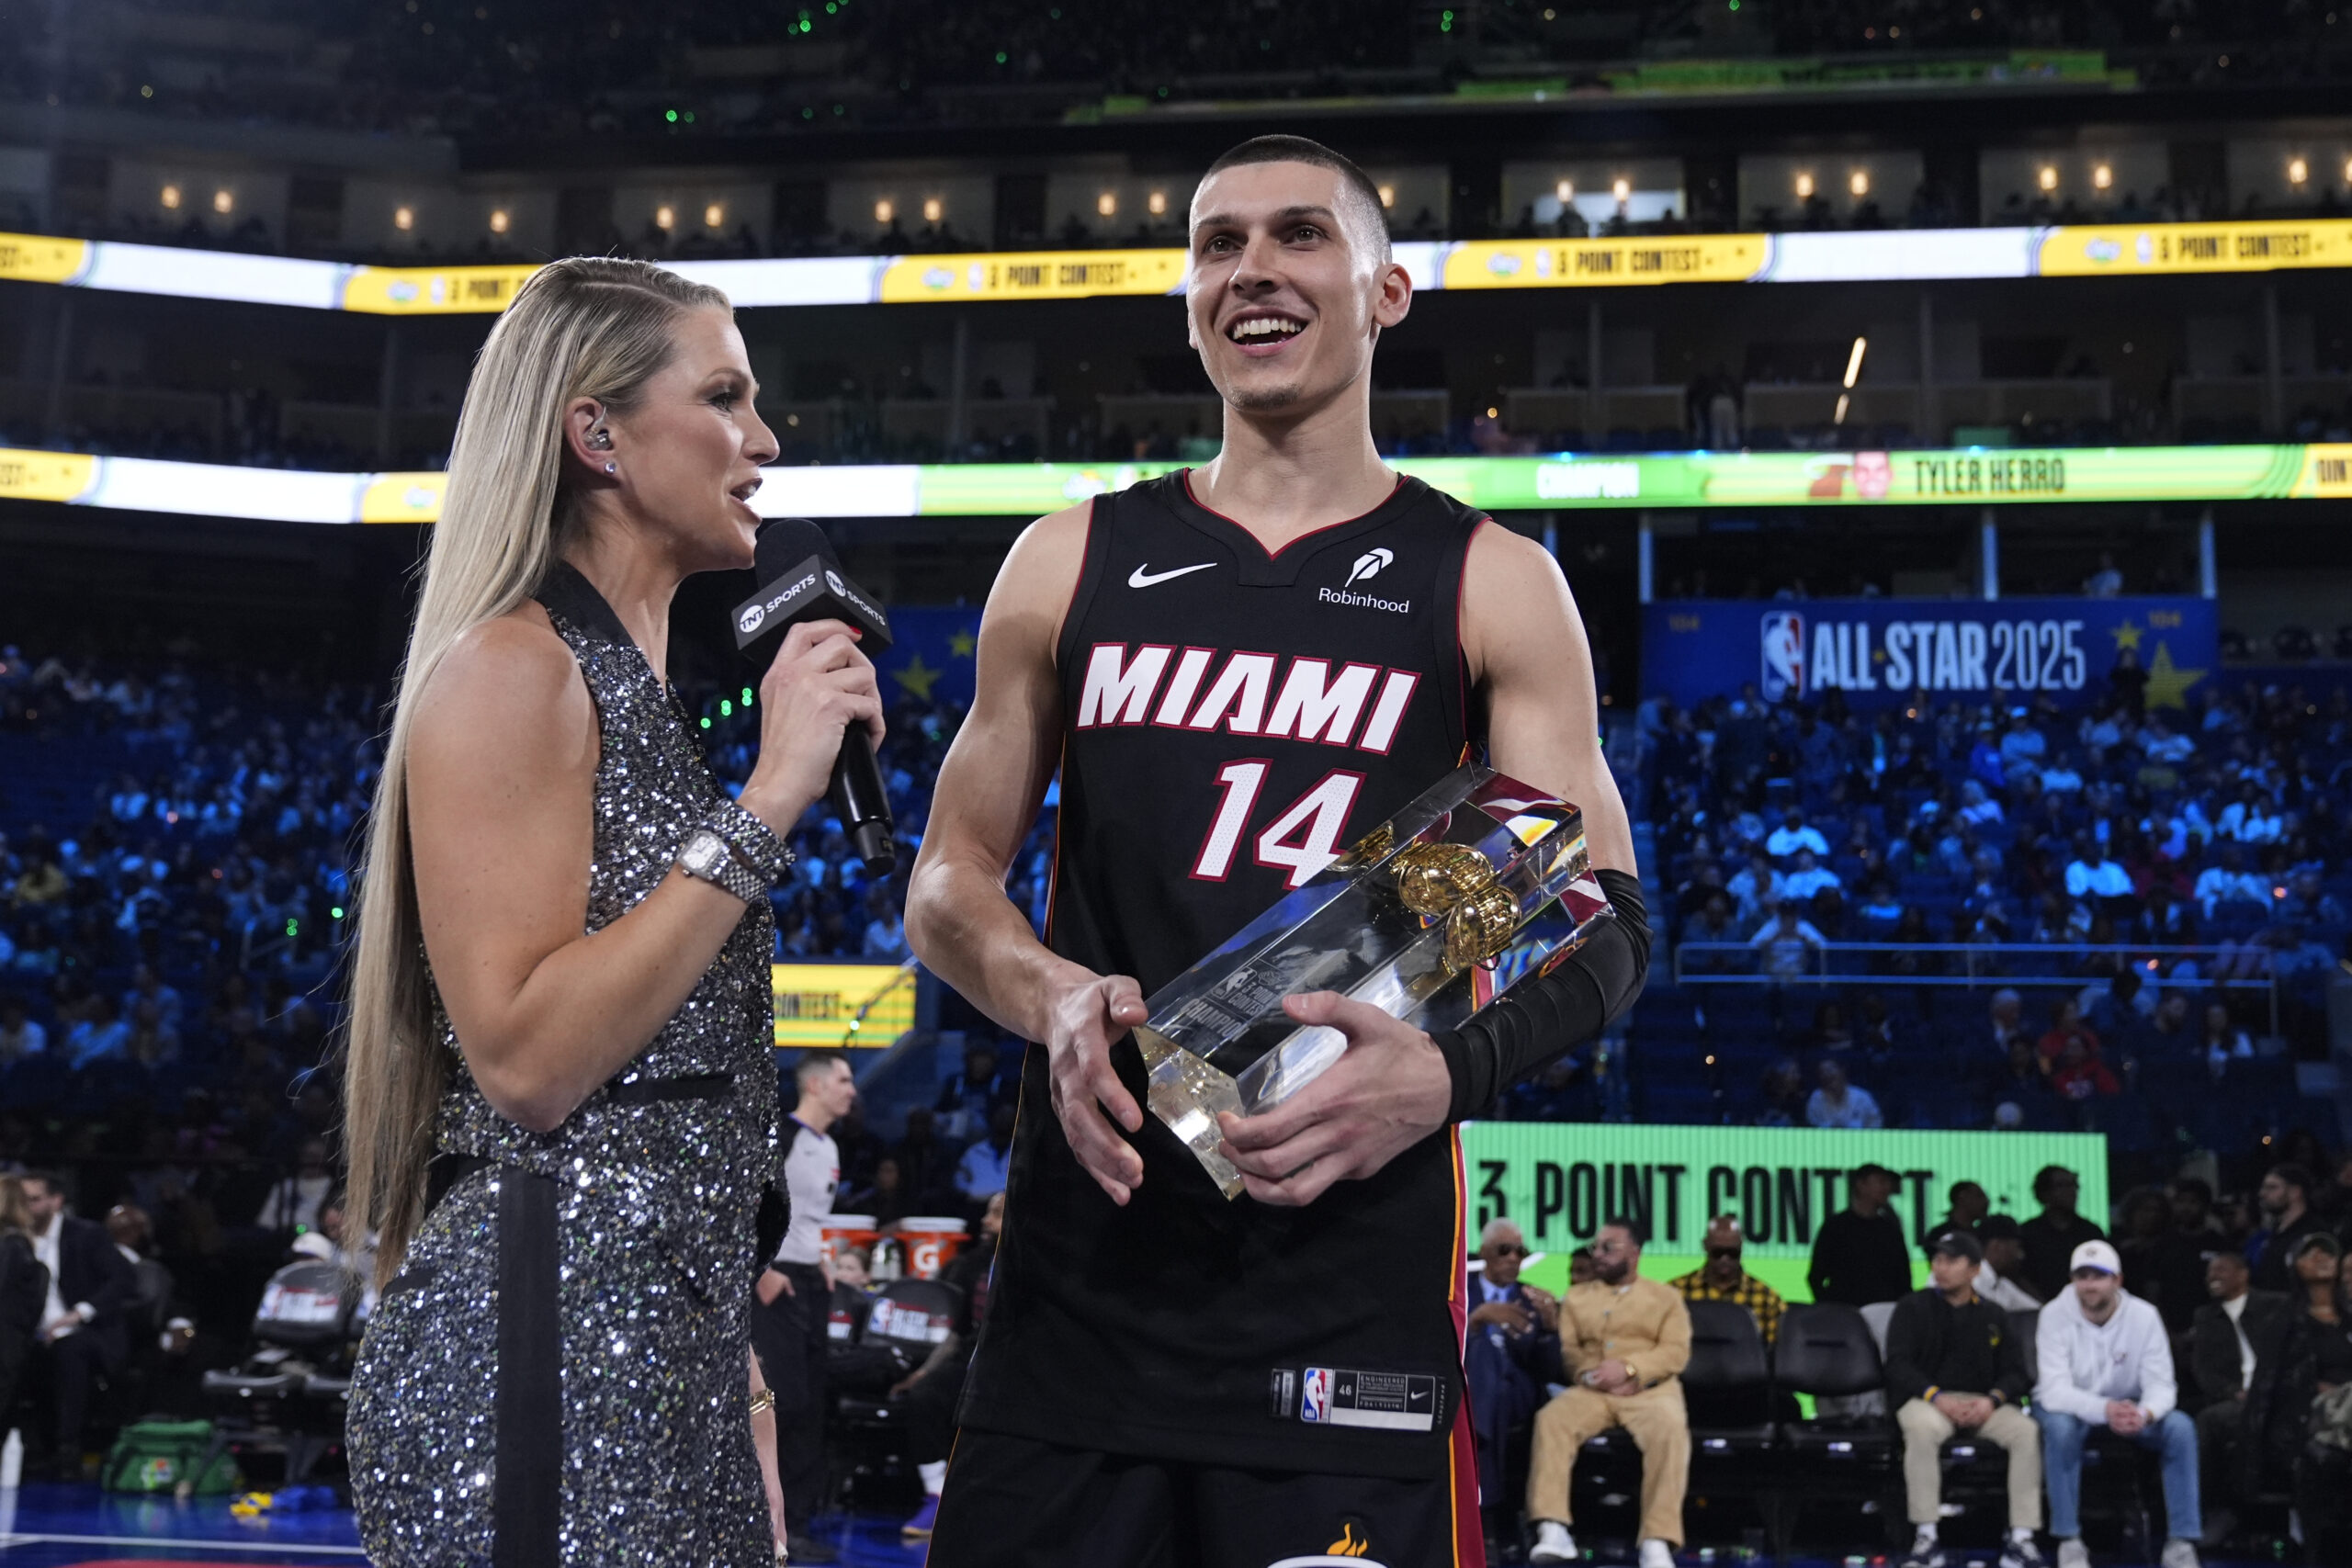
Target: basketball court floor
(80, 1527)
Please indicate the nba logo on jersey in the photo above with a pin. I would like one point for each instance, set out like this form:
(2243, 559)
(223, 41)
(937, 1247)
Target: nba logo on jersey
(1315, 1394)
(1783, 648)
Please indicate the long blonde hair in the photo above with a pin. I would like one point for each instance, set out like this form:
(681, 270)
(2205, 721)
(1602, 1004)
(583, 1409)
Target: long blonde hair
(585, 327)
(16, 1214)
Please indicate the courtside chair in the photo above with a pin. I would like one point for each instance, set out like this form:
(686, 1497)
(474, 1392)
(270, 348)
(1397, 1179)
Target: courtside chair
(1825, 1350)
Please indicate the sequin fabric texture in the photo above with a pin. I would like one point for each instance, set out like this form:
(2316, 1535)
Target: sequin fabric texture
(656, 1214)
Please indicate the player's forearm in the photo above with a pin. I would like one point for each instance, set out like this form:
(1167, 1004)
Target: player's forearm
(966, 931)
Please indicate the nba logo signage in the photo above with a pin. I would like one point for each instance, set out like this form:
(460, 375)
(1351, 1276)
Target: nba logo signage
(1781, 672)
(1315, 1394)
(1890, 652)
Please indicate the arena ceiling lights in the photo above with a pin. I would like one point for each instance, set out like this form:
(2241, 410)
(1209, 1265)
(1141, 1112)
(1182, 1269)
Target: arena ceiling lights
(1843, 256)
(1970, 476)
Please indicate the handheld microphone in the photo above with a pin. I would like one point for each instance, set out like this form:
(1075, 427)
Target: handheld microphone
(801, 580)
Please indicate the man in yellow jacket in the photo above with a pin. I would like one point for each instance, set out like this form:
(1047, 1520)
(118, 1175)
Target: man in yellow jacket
(1624, 1341)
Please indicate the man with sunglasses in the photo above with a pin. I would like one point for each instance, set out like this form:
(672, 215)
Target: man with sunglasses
(1626, 1339)
(1722, 1279)
(1510, 1351)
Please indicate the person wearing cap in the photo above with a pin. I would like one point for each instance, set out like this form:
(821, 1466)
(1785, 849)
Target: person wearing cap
(1859, 1254)
(2105, 1361)
(1953, 1365)
(2000, 1279)
(1722, 1279)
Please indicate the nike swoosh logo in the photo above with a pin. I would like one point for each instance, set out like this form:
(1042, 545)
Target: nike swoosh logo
(1144, 577)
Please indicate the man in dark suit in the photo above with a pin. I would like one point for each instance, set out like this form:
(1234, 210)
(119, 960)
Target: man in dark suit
(83, 1333)
(2233, 1333)
(1510, 1351)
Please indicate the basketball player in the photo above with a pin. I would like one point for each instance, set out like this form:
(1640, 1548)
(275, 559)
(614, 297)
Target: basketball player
(1236, 669)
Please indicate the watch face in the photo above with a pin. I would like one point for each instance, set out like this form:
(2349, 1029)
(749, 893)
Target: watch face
(702, 851)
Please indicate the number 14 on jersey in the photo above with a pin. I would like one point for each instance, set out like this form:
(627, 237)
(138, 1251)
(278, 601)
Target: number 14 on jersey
(1300, 838)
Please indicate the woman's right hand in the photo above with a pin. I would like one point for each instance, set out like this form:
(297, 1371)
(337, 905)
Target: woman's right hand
(818, 686)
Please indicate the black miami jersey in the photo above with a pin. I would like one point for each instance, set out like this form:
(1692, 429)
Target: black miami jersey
(1232, 719)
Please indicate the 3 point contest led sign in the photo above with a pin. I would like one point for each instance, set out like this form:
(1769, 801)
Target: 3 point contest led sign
(1561, 1182)
(831, 1006)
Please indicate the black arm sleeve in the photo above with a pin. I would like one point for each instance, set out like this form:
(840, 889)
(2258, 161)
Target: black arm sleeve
(1539, 1020)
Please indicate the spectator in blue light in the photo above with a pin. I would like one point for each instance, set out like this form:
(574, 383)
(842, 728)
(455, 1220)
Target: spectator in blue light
(102, 1036)
(885, 937)
(1977, 808)
(1758, 888)
(2093, 878)
(2062, 777)
(146, 986)
(1840, 1103)
(1809, 877)
(2160, 743)
(2250, 819)
(2308, 904)
(2229, 882)
(1794, 834)
(980, 1174)
(19, 1036)
(2022, 747)
(1788, 941)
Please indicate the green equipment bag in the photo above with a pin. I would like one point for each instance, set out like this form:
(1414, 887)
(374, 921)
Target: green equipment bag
(163, 1456)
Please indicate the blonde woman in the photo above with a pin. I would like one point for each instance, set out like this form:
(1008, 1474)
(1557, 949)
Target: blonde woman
(23, 1290)
(560, 1098)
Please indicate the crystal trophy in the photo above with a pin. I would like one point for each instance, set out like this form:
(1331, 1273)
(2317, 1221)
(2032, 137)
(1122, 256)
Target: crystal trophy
(1428, 917)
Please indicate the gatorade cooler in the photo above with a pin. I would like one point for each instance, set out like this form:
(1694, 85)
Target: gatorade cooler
(930, 1240)
(848, 1230)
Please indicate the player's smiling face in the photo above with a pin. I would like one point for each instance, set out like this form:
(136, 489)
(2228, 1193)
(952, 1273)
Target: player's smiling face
(1288, 292)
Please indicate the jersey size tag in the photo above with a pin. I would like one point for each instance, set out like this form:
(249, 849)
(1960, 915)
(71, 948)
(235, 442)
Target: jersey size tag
(1341, 1396)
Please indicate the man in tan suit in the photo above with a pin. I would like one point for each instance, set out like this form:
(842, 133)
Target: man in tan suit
(1625, 1340)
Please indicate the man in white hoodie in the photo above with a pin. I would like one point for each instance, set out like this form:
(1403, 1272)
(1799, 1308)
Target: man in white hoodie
(2106, 1362)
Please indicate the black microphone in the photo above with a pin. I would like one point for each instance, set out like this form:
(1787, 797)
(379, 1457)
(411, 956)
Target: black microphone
(801, 580)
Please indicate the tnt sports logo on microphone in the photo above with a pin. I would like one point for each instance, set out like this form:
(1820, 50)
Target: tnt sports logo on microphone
(834, 581)
(749, 620)
(1782, 639)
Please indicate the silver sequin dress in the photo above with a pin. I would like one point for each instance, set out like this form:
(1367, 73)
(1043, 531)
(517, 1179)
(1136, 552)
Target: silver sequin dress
(656, 1185)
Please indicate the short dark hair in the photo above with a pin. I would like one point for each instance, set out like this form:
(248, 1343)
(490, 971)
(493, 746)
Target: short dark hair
(1999, 1227)
(2045, 1175)
(1301, 149)
(1966, 1186)
(47, 1178)
(2231, 1255)
(812, 1063)
(1630, 1225)
(2293, 1175)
